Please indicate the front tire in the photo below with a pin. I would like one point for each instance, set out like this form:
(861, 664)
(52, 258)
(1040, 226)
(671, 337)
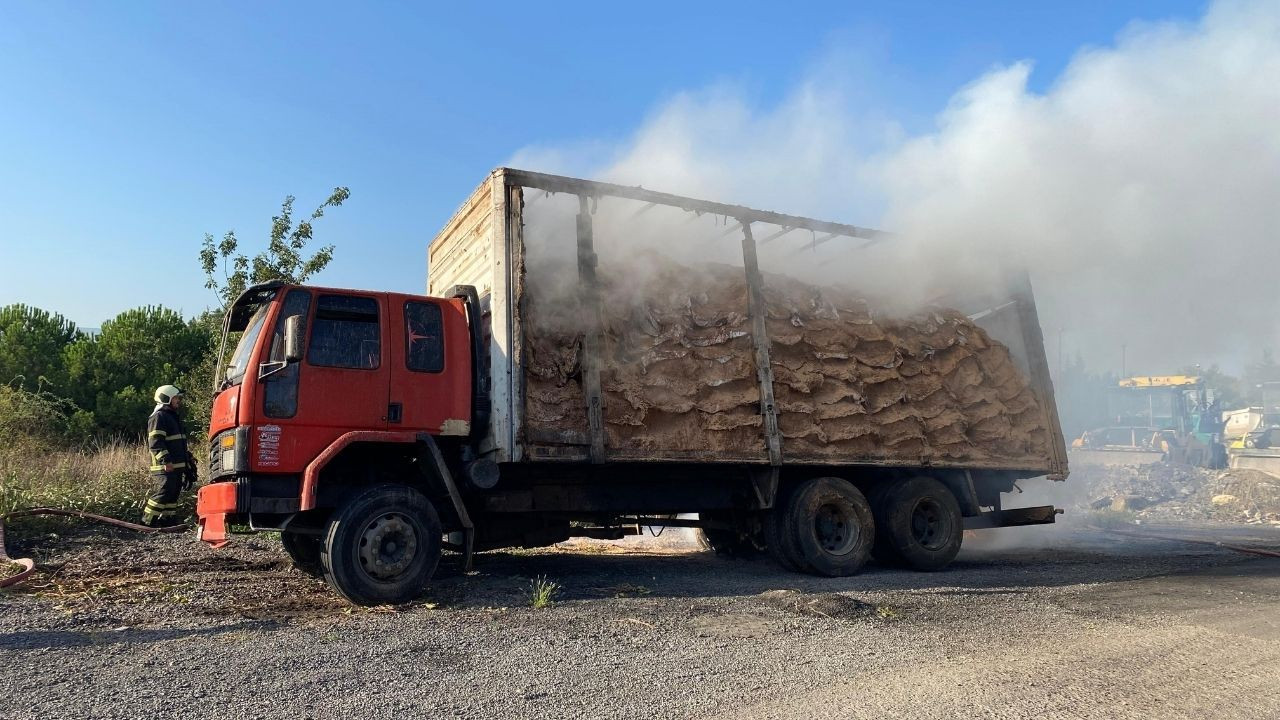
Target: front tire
(383, 546)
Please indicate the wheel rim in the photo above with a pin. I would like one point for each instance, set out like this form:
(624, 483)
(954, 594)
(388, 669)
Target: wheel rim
(388, 546)
(930, 525)
(836, 528)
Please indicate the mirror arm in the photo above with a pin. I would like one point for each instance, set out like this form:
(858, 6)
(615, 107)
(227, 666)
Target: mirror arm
(271, 367)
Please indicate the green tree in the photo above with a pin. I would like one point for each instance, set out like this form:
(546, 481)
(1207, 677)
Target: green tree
(1226, 388)
(31, 345)
(284, 258)
(115, 373)
(1255, 374)
(197, 380)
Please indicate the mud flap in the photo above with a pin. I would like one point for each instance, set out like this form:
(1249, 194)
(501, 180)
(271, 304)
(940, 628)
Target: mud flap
(213, 530)
(213, 503)
(436, 461)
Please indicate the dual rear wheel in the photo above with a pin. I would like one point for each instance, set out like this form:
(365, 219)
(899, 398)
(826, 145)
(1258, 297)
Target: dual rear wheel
(826, 526)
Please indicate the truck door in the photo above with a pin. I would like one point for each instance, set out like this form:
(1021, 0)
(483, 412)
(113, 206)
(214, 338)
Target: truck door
(431, 366)
(344, 381)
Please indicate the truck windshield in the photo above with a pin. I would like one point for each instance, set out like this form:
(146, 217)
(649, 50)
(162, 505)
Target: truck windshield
(240, 358)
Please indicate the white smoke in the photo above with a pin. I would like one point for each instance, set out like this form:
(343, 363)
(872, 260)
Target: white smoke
(1142, 189)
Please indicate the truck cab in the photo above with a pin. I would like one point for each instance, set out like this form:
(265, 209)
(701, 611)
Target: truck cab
(329, 393)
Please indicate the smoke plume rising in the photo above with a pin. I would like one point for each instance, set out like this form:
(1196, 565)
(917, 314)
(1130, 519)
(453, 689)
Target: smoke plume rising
(1142, 189)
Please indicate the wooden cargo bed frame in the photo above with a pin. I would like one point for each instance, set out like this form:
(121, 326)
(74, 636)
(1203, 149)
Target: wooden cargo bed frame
(483, 245)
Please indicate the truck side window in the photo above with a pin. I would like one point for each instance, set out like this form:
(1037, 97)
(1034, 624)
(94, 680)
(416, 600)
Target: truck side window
(345, 333)
(424, 337)
(280, 392)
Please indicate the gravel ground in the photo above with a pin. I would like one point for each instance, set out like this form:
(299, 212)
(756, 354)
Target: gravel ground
(1089, 625)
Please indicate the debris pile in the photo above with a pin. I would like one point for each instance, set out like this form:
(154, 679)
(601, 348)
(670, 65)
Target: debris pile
(1170, 491)
(679, 374)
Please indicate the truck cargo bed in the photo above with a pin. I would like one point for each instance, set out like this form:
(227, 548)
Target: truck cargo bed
(640, 356)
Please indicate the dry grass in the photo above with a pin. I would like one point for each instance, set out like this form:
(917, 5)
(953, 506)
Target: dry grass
(107, 478)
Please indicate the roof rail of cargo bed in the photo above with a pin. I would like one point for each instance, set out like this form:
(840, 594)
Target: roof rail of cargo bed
(785, 223)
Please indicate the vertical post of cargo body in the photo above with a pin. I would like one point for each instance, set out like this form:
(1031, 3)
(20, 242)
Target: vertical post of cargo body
(591, 330)
(760, 339)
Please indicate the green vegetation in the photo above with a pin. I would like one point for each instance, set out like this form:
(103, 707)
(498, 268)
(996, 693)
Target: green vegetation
(74, 405)
(108, 478)
(888, 612)
(542, 592)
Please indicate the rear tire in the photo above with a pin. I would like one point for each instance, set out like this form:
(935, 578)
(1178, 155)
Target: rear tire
(304, 550)
(826, 528)
(918, 524)
(383, 546)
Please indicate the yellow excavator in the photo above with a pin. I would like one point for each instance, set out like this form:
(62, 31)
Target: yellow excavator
(1172, 418)
(1256, 444)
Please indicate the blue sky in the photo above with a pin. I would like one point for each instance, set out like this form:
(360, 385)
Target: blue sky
(127, 131)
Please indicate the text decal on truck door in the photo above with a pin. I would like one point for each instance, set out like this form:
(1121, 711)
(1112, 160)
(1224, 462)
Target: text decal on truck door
(269, 445)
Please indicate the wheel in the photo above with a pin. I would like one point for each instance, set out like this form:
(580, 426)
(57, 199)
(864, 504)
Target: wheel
(304, 550)
(383, 546)
(826, 527)
(918, 524)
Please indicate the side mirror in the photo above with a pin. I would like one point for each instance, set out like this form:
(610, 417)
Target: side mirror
(293, 338)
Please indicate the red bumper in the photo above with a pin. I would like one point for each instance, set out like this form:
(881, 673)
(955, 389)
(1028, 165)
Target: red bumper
(213, 504)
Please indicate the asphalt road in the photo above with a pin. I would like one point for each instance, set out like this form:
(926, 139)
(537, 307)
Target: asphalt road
(1089, 626)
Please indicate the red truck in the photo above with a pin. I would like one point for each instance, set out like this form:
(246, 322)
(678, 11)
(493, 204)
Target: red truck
(551, 385)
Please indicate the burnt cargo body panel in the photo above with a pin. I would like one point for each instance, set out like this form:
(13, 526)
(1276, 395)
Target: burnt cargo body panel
(730, 362)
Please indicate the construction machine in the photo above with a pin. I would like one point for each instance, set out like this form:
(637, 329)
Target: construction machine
(1172, 418)
(1258, 445)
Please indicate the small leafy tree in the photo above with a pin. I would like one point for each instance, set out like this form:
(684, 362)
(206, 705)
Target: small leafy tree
(284, 258)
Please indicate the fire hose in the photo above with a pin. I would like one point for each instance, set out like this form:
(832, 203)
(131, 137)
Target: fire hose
(29, 566)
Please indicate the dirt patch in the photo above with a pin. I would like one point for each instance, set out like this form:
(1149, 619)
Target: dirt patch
(126, 578)
(679, 373)
(828, 605)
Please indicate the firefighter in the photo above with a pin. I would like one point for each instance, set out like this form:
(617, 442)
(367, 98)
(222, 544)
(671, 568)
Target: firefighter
(173, 469)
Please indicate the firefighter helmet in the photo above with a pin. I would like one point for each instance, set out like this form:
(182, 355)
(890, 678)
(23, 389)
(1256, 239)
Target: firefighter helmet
(166, 393)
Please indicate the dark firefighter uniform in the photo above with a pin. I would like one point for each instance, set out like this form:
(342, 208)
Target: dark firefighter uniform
(167, 439)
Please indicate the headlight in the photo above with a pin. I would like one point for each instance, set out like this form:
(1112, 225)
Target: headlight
(229, 452)
(227, 446)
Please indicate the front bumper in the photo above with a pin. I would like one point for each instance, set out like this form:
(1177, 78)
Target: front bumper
(213, 504)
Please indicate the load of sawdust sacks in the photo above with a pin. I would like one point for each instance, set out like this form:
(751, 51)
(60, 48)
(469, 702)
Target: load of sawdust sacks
(679, 375)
